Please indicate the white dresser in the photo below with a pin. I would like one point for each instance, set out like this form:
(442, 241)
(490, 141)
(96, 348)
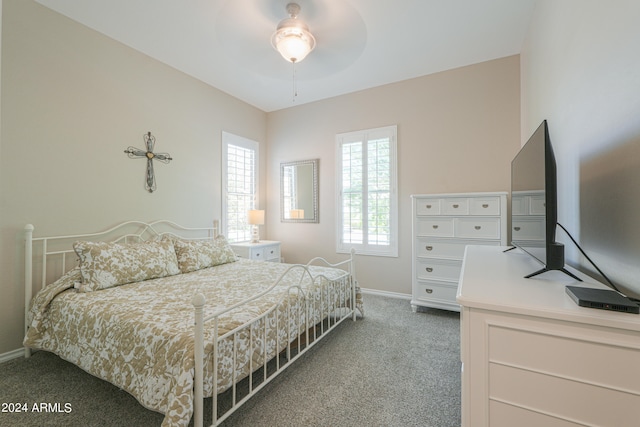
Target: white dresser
(443, 224)
(532, 357)
(265, 250)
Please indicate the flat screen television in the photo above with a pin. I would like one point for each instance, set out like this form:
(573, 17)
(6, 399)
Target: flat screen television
(534, 204)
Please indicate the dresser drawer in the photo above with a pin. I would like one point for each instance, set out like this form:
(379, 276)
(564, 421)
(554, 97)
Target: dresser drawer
(438, 269)
(485, 206)
(455, 206)
(445, 248)
(439, 227)
(477, 228)
(519, 205)
(427, 206)
(527, 229)
(537, 205)
(433, 248)
(434, 291)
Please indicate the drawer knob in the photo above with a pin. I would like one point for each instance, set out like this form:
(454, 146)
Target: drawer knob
(257, 254)
(429, 248)
(429, 291)
(478, 227)
(429, 269)
(516, 228)
(435, 227)
(456, 206)
(485, 205)
(428, 206)
(271, 251)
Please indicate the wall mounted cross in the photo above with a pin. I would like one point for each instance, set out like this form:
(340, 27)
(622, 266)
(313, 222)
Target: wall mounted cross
(136, 153)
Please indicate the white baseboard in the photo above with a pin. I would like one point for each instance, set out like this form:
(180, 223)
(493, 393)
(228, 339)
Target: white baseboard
(386, 293)
(5, 357)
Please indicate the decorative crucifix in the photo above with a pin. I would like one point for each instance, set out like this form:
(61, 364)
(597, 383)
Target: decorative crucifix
(136, 153)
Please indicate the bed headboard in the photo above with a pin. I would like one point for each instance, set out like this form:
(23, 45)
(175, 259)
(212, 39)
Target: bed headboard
(48, 258)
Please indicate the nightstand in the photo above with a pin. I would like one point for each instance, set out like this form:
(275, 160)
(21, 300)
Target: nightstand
(265, 250)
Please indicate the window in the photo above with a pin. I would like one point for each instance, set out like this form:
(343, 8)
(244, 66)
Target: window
(367, 192)
(239, 185)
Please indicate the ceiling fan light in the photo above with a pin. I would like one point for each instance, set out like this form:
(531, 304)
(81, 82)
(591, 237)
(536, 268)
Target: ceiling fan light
(293, 45)
(292, 37)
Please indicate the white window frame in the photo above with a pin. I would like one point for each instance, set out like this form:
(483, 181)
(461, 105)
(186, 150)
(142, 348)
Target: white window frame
(238, 141)
(366, 248)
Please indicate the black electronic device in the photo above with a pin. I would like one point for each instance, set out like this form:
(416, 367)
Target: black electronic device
(534, 204)
(604, 299)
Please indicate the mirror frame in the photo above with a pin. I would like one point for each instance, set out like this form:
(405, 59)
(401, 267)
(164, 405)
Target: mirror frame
(314, 163)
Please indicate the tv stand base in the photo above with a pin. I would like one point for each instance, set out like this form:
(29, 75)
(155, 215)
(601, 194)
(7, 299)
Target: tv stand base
(544, 270)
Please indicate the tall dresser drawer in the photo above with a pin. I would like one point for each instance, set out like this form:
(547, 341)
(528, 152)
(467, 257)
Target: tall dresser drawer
(485, 206)
(428, 207)
(537, 205)
(435, 291)
(438, 269)
(434, 248)
(527, 229)
(478, 228)
(442, 227)
(442, 248)
(455, 206)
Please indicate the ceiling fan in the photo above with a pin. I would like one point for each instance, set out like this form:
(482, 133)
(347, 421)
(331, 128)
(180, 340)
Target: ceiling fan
(245, 29)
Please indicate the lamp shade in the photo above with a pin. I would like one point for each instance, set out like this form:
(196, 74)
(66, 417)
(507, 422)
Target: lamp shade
(255, 217)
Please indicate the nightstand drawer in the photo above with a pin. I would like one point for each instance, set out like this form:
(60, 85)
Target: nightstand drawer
(272, 253)
(265, 250)
(257, 254)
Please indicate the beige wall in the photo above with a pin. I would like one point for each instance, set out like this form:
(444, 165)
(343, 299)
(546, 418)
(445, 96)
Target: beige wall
(457, 132)
(581, 72)
(72, 102)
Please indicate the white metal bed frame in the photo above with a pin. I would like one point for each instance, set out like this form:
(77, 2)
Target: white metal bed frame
(59, 247)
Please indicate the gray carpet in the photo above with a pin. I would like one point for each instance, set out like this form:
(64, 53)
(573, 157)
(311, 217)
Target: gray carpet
(394, 368)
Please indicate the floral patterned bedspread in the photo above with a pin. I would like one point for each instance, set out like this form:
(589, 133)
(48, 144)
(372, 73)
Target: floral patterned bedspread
(139, 336)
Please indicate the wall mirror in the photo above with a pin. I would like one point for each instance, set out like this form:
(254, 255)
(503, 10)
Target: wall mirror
(299, 191)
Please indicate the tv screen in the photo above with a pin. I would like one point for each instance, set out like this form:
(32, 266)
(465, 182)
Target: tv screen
(534, 212)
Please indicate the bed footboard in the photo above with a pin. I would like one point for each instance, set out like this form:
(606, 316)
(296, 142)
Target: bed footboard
(336, 300)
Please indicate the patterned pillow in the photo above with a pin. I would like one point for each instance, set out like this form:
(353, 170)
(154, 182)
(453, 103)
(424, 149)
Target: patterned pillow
(106, 264)
(197, 254)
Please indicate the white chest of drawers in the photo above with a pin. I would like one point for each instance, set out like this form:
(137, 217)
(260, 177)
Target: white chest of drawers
(443, 224)
(265, 250)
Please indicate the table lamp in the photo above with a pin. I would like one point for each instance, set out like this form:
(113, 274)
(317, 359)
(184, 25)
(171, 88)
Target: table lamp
(255, 217)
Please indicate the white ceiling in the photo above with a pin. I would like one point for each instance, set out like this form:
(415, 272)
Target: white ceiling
(360, 43)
